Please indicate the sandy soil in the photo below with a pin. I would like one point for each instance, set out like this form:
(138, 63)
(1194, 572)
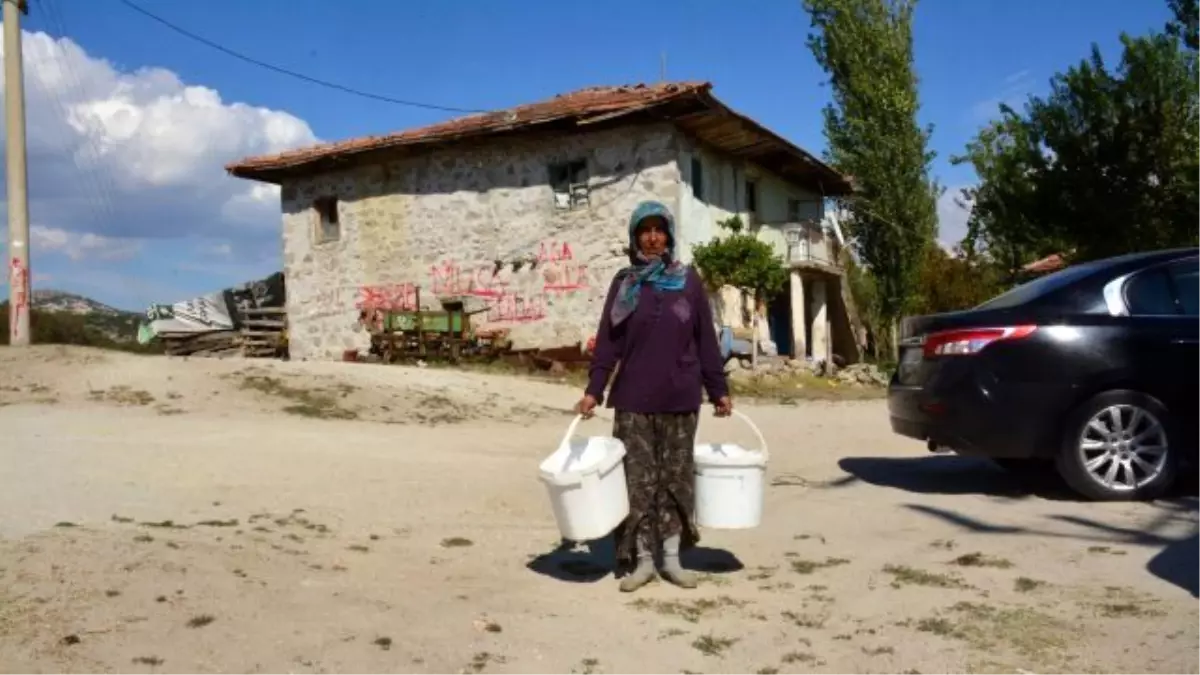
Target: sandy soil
(195, 516)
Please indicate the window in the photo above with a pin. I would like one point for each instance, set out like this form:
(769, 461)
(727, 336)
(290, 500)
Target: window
(697, 178)
(1149, 294)
(569, 181)
(1186, 276)
(328, 226)
(1042, 286)
(751, 197)
(793, 211)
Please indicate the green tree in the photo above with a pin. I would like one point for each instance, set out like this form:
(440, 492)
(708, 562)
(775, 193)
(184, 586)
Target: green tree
(954, 282)
(740, 260)
(866, 48)
(1107, 163)
(1185, 22)
(1005, 226)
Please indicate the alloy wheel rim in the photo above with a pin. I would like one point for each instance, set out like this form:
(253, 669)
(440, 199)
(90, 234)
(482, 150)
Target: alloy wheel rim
(1123, 447)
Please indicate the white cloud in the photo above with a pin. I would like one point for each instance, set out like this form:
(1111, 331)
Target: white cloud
(79, 246)
(1013, 92)
(116, 157)
(953, 212)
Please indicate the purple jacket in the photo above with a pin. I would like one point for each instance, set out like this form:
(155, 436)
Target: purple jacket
(667, 351)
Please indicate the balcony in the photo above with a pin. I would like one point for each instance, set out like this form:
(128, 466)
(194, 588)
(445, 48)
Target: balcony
(804, 243)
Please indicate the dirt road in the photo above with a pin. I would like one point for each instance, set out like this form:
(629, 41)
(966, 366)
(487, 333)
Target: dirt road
(198, 516)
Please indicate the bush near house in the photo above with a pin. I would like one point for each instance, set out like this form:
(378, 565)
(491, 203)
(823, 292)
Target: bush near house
(946, 282)
(739, 260)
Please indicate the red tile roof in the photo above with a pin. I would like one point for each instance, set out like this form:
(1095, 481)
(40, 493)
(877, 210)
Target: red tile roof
(1050, 263)
(689, 104)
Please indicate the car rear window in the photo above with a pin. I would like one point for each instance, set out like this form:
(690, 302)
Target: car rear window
(1042, 286)
(1187, 286)
(1150, 294)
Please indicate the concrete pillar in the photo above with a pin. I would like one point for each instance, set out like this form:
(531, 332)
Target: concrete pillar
(819, 332)
(799, 328)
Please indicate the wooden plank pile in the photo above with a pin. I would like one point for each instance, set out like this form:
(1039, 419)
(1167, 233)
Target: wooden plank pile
(216, 343)
(263, 335)
(264, 332)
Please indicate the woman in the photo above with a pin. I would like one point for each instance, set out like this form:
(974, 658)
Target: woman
(657, 323)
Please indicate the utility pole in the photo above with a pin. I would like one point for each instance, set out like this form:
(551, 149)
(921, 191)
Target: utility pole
(18, 193)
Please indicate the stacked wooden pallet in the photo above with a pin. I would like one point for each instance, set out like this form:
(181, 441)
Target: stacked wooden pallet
(264, 332)
(217, 343)
(263, 335)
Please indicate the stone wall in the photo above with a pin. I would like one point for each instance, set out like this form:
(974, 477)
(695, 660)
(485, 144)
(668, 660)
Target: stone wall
(479, 223)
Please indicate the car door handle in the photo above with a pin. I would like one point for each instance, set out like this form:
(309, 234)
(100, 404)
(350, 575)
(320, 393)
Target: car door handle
(1186, 341)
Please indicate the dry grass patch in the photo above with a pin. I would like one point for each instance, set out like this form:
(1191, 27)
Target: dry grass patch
(711, 645)
(1027, 585)
(903, 575)
(801, 566)
(122, 395)
(1025, 631)
(691, 611)
(789, 387)
(978, 559)
(806, 620)
(1118, 602)
(319, 403)
(792, 658)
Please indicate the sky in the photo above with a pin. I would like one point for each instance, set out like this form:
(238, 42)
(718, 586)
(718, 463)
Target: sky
(129, 124)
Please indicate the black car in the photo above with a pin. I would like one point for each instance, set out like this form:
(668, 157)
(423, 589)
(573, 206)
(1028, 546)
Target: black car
(1095, 369)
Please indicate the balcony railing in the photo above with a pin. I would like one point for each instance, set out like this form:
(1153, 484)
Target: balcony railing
(802, 243)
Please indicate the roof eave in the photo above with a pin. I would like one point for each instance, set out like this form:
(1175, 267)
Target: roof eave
(838, 185)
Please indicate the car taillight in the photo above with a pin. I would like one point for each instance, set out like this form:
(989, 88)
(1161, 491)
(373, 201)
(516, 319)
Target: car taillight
(968, 341)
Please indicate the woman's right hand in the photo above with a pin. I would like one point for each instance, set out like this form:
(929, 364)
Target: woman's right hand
(586, 406)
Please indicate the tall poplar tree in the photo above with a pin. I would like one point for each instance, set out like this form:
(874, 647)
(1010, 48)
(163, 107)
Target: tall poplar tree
(866, 48)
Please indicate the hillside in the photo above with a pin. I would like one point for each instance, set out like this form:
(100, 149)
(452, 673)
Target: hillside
(59, 317)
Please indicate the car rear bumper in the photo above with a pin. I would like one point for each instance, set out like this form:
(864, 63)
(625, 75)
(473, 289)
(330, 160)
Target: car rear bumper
(1002, 421)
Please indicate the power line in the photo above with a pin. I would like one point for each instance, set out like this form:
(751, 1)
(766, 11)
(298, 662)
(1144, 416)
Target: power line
(290, 73)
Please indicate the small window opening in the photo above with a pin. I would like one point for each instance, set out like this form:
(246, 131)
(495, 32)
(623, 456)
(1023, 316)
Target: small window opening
(751, 197)
(569, 180)
(793, 210)
(697, 178)
(328, 226)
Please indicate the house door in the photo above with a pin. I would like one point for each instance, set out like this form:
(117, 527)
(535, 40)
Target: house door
(779, 321)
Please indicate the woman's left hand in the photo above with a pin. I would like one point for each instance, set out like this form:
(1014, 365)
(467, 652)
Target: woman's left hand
(723, 407)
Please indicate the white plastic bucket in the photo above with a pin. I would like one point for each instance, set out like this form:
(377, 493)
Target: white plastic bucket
(730, 483)
(585, 478)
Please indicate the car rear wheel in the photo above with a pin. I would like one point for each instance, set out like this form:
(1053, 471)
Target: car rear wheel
(1117, 446)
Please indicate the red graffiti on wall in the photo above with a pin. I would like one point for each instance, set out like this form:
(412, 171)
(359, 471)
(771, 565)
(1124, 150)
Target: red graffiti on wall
(561, 274)
(553, 251)
(388, 297)
(481, 281)
(565, 278)
(517, 308)
(19, 280)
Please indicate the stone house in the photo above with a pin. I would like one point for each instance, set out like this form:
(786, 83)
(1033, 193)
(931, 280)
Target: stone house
(521, 214)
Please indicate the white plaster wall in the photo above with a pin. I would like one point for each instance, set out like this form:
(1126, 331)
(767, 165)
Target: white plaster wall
(724, 197)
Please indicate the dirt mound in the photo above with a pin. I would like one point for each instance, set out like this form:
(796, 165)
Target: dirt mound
(49, 375)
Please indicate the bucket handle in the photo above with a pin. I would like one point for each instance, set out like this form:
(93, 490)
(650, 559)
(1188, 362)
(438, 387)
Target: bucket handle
(566, 439)
(762, 441)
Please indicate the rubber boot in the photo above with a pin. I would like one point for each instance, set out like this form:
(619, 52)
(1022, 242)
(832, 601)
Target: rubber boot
(643, 574)
(673, 571)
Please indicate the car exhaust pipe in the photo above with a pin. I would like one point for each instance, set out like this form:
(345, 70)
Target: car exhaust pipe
(934, 447)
